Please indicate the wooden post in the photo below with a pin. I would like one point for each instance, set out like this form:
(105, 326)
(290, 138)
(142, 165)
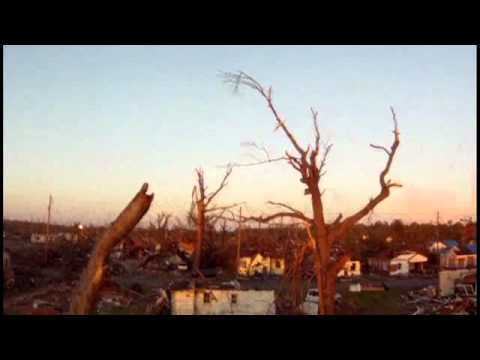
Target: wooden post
(239, 239)
(50, 201)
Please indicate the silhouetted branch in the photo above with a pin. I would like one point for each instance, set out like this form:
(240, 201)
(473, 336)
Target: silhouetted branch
(220, 187)
(348, 223)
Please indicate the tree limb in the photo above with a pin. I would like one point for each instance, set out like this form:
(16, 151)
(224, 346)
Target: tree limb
(256, 163)
(286, 206)
(242, 78)
(222, 207)
(221, 186)
(342, 228)
(269, 218)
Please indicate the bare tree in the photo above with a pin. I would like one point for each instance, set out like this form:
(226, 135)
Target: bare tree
(162, 226)
(310, 164)
(204, 213)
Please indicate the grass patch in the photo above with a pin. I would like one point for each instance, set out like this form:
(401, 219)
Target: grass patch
(372, 303)
(117, 310)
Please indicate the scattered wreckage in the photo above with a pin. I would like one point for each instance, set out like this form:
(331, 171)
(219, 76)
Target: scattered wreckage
(428, 302)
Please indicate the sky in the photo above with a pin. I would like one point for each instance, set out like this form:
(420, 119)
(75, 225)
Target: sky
(91, 124)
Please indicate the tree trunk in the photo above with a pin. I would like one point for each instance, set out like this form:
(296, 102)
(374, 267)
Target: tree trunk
(326, 284)
(331, 291)
(85, 295)
(200, 236)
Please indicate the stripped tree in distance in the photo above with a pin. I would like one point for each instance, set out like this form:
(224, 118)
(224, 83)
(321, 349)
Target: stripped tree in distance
(203, 213)
(310, 164)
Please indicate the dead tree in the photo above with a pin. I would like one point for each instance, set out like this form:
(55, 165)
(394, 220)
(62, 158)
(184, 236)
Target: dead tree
(204, 213)
(162, 226)
(310, 164)
(85, 295)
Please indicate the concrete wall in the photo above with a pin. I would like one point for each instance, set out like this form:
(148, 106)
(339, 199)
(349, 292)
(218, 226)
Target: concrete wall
(249, 302)
(446, 280)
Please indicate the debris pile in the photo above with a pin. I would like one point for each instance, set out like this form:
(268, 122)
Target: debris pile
(427, 302)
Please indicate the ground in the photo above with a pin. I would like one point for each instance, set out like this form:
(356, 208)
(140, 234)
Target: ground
(387, 302)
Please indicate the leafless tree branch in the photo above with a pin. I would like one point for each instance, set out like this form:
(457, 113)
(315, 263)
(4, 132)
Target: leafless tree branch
(343, 227)
(242, 78)
(220, 187)
(266, 219)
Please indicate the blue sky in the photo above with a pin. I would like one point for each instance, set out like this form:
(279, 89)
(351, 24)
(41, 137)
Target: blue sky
(90, 124)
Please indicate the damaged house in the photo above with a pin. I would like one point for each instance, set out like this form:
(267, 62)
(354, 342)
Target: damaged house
(227, 298)
(265, 263)
(458, 269)
(402, 264)
(351, 268)
(459, 257)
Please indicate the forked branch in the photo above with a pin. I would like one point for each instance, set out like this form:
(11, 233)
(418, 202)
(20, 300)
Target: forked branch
(342, 228)
(220, 187)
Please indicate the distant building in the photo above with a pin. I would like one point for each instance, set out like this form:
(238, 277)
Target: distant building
(436, 247)
(402, 264)
(351, 268)
(458, 258)
(42, 238)
(261, 264)
(38, 238)
(451, 243)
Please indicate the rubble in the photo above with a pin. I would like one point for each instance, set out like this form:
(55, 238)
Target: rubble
(428, 302)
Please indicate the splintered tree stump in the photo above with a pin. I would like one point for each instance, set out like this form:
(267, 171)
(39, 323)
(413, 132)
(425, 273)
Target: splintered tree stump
(84, 297)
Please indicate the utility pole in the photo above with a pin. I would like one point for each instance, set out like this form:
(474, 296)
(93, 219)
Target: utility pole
(438, 239)
(239, 239)
(50, 202)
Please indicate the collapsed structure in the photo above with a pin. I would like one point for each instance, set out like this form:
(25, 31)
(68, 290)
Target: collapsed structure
(458, 269)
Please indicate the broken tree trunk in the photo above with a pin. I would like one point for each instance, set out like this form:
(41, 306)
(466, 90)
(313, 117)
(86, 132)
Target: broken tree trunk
(85, 295)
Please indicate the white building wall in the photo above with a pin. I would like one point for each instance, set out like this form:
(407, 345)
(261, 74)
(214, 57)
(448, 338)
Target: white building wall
(249, 302)
(446, 280)
(182, 302)
(244, 266)
(403, 270)
(258, 264)
(277, 270)
(347, 269)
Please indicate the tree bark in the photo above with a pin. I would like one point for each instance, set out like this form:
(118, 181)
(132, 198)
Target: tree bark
(84, 296)
(200, 236)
